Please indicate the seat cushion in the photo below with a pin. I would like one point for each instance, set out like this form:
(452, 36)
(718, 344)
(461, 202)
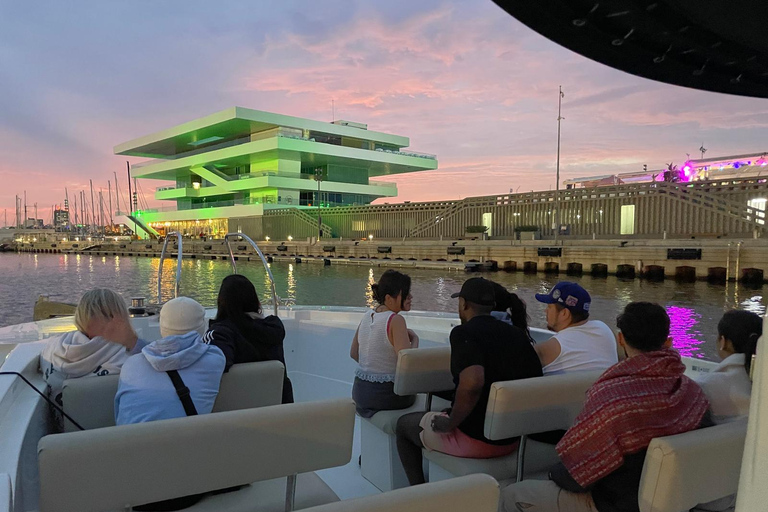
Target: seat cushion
(387, 420)
(538, 457)
(269, 496)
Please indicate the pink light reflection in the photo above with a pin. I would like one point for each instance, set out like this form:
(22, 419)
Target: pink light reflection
(685, 337)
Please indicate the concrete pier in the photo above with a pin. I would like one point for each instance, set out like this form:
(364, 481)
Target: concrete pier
(713, 260)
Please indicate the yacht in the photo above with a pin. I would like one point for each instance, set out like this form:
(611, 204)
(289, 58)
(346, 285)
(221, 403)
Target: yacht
(307, 453)
(363, 460)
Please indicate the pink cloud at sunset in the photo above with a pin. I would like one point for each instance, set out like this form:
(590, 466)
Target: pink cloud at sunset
(462, 79)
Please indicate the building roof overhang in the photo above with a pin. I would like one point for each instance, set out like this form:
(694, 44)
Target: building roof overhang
(712, 46)
(235, 123)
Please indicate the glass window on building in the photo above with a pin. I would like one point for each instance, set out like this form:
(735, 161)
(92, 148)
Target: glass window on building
(758, 204)
(627, 226)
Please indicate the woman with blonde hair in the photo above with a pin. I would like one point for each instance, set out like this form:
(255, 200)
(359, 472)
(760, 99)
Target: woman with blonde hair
(102, 342)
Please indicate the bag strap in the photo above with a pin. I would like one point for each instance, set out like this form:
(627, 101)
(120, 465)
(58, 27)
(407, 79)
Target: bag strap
(183, 392)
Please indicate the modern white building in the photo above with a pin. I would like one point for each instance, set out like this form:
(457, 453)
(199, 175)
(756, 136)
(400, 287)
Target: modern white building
(239, 163)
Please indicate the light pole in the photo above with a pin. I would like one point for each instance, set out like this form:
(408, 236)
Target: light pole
(557, 183)
(318, 179)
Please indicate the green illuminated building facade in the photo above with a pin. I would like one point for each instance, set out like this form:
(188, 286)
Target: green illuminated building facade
(239, 163)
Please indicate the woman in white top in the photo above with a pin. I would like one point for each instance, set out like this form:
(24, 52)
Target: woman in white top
(382, 333)
(728, 386)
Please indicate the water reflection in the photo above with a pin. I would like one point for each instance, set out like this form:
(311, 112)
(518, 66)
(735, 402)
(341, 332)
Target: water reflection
(685, 337)
(695, 308)
(369, 300)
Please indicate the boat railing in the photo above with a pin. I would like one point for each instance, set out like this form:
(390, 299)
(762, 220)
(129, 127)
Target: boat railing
(178, 266)
(227, 238)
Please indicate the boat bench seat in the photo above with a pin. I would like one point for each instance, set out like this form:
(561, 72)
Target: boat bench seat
(518, 408)
(478, 493)
(684, 470)
(115, 468)
(419, 371)
(91, 400)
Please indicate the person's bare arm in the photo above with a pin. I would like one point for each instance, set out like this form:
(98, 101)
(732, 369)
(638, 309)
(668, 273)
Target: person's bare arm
(471, 382)
(414, 338)
(547, 351)
(354, 351)
(398, 334)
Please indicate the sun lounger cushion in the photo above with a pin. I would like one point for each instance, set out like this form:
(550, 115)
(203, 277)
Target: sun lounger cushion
(684, 470)
(476, 493)
(111, 468)
(91, 401)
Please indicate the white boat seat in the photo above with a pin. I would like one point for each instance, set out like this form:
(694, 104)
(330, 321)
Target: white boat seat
(91, 400)
(476, 493)
(518, 408)
(421, 370)
(117, 467)
(685, 470)
(269, 496)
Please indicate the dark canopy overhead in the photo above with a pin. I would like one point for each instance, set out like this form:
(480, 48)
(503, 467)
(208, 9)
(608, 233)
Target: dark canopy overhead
(712, 45)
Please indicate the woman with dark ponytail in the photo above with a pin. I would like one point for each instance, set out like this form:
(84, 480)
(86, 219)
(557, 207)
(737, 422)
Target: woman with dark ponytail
(382, 333)
(511, 309)
(728, 386)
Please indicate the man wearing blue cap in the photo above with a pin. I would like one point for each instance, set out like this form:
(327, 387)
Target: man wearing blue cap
(579, 343)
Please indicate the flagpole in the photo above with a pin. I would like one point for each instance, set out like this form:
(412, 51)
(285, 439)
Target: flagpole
(557, 183)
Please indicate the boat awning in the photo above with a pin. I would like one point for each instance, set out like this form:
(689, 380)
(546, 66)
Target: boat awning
(712, 46)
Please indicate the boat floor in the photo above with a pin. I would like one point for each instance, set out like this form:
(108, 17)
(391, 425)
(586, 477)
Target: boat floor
(347, 481)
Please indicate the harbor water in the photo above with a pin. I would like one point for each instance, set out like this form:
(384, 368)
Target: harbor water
(694, 308)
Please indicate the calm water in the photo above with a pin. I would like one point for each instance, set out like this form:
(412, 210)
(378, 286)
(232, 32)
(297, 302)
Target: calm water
(693, 308)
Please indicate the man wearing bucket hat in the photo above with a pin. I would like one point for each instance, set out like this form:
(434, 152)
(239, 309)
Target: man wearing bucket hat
(484, 350)
(175, 376)
(579, 343)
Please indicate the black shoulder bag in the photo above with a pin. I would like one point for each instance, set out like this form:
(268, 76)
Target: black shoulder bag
(183, 391)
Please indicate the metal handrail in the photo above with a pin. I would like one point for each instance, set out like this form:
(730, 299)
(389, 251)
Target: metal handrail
(275, 298)
(178, 266)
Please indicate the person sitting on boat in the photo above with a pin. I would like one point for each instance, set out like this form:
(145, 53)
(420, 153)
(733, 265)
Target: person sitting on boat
(152, 383)
(381, 334)
(511, 309)
(728, 386)
(643, 397)
(579, 343)
(101, 344)
(484, 350)
(242, 332)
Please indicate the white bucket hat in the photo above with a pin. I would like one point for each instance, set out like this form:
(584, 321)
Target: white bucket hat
(182, 315)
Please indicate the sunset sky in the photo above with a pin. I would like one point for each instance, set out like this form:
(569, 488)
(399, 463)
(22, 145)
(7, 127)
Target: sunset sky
(462, 79)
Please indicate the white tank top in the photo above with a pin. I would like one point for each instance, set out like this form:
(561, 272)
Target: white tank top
(590, 346)
(377, 356)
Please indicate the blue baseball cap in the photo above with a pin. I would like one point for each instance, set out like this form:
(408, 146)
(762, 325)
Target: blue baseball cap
(567, 294)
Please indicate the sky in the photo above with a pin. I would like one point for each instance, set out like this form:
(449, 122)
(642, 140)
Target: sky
(462, 79)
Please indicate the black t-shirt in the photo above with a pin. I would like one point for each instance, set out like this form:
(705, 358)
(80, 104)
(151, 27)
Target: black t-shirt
(504, 352)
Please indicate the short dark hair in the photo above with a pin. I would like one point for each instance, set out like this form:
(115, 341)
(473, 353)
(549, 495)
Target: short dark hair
(645, 326)
(578, 315)
(742, 328)
(392, 283)
(479, 309)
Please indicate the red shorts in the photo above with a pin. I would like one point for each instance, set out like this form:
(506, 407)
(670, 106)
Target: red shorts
(459, 444)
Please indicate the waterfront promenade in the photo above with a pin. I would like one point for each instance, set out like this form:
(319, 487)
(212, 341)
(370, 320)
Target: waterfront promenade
(716, 260)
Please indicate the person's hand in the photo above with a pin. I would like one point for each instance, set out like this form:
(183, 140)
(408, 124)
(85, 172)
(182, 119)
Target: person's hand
(441, 423)
(117, 330)
(413, 337)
